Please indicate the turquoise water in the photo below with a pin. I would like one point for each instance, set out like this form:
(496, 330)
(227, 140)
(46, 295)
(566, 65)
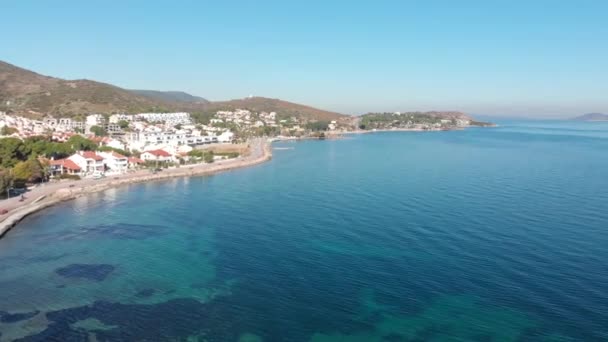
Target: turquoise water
(497, 234)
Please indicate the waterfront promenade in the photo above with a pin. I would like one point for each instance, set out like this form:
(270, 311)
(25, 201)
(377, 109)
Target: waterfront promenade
(49, 194)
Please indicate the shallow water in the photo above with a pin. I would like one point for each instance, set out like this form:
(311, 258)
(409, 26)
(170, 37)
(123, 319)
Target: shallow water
(494, 234)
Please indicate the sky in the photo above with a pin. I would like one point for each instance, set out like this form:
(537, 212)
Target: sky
(532, 58)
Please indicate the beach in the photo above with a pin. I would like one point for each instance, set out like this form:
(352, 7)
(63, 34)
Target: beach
(48, 194)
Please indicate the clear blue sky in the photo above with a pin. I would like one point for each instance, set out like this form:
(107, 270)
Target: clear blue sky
(532, 58)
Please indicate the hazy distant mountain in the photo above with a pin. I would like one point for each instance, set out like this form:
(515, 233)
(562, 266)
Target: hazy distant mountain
(170, 96)
(27, 93)
(592, 117)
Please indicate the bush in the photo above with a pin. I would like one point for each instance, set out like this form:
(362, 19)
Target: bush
(68, 176)
(228, 155)
(208, 157)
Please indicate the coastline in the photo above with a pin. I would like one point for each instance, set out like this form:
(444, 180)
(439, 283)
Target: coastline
(49, 195)
(367, 131)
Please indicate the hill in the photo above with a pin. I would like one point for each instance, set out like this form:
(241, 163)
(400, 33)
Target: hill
(170, 96)
(32, 94)
(27, 93)
(592, 117)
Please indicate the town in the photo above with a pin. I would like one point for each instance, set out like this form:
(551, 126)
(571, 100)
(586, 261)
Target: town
(98, 145)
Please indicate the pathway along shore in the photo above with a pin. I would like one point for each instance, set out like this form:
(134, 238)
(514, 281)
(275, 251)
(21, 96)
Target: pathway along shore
(50, 194)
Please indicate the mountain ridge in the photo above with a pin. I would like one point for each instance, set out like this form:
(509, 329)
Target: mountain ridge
(171, 96)
(31, 94)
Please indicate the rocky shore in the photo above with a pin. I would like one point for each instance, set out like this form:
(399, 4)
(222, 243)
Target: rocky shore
(46, 196)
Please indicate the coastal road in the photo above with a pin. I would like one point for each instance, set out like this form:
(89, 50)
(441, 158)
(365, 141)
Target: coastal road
(46, 189)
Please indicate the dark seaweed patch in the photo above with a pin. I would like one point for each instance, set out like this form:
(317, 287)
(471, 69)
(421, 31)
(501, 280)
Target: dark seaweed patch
(129, 230)
(6, 317)
(145, 293)
(46, 258)
(95, 272)
(155, 322)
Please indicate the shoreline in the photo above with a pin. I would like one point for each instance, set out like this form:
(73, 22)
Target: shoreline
(57, 193)
(367, 131)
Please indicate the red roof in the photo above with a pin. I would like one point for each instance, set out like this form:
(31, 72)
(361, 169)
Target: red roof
(91, 155)
(66, 164)
(136, 160)
(118, 155)
(159, 153)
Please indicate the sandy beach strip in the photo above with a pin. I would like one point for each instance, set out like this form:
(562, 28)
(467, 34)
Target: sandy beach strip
(50, 194)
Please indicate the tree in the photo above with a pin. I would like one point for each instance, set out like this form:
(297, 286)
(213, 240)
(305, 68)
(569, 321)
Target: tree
(208, 157)
(37, 145)
(123, 124)
(112, 149)
(78, 143)
(6, 180)
(318, 125)
(178, 126)
(12, 150)
(98, 131)
(196, 153)
(59, 150)
(29, 171)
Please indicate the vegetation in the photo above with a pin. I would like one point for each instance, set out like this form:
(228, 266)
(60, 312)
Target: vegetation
(112, 149)
(6, 180)
(123, 124)
(411, 119)
(69, 176)
(29, 171)
(21, 160)
(6, 130)
(202, 117)
(316, 126)
(80, 143)
(98, 131)
(229, 155)
(204, 155)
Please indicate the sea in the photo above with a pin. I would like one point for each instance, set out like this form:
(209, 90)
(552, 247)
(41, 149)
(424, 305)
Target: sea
(483, 234)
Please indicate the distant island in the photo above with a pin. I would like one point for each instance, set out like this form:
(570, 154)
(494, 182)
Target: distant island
(592, 117)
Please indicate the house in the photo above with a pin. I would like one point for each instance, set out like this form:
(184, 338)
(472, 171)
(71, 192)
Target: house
(135, 162)
(63, 166)
(225, 137)
(95, 120)
(88, 162)
(157, 155)
(114, 162)
(110, 142)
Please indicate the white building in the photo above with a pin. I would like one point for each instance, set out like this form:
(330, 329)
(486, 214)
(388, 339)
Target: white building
(225, 137)
(88, 162)
(144, 140)
(115, 162)
(67, 124)
(120, 117)
(114, 143)
(157, 155)
(95, 120)
(167, 118)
